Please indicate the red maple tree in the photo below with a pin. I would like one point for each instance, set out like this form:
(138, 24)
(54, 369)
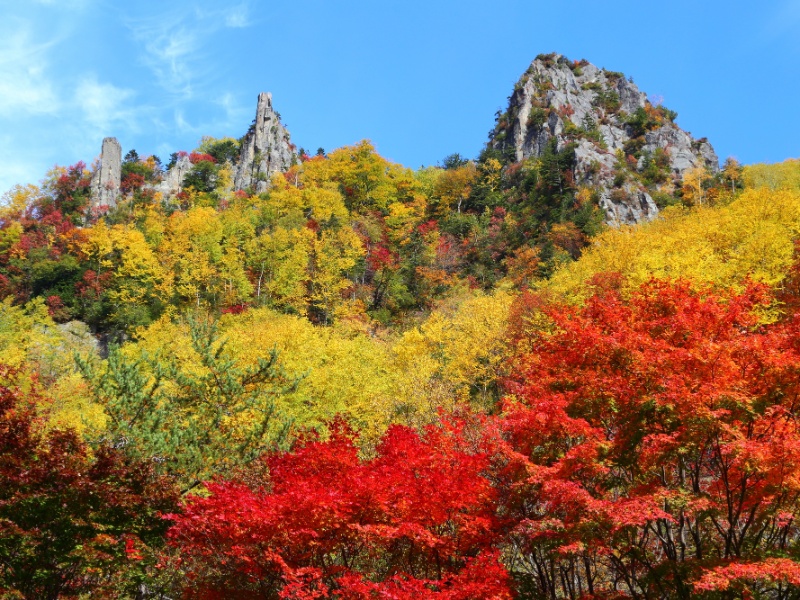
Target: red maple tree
(74, 521)
(654, 445)
(417, 520)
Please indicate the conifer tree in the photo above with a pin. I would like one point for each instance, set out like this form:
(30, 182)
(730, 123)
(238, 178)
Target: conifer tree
(195, 419)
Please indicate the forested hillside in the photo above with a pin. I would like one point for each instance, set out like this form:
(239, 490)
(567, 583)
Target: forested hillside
(346, 378)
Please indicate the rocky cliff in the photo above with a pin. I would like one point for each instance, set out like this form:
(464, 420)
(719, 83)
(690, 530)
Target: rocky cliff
(265, 149)
(172, 181)
(626, 147)
(106, 179)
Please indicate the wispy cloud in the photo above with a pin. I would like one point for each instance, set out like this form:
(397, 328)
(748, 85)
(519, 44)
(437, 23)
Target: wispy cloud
(170, 53)
(238, 16)
(104, 105)
(173, 43)
(42, 80)
(234, 112)
(220, 14)
(182, 125)
(25, 87)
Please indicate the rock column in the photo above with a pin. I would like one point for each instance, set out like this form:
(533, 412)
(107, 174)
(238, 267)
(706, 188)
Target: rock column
(106, 180)
(266, 149)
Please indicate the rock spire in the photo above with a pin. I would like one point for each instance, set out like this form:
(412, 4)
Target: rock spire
(106, 179)
(265, 149)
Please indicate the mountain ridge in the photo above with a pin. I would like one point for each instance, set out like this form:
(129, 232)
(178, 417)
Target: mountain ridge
(265, 149)
(622, 147)
(625, 145)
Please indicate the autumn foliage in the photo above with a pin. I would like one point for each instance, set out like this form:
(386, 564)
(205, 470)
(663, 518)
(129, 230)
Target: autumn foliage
(660, 443)
(648, 449)
(72, 520)
(417, 520)
(370, 382)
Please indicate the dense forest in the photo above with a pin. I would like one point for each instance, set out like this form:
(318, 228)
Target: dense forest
(370, 381)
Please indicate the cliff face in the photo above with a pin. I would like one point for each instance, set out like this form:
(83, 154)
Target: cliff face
(627, 149)
(173, 179)
(625, 146)
(106, 179)
(265, 149)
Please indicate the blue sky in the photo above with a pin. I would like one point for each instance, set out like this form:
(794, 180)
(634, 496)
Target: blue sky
(420, 79)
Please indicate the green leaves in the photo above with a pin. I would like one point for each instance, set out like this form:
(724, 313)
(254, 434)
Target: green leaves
(196, 412)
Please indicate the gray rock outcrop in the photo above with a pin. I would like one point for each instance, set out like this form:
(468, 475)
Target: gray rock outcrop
(106, 179)
(685, 153)
(609, 121)
(173, 179)
(265, 150)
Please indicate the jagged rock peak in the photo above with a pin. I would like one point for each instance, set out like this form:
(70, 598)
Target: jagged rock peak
(609, 121)
(266, 148)
(106, 179)
(172, 181)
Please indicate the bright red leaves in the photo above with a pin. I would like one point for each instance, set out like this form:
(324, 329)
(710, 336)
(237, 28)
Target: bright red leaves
(73, 521)
(418, 518)
(660, 440)
(649, 449)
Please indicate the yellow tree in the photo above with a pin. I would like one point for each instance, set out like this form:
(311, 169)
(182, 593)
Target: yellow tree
(363, 176)
(334, 254)
(138, 284)
(206, 266)
(290, 206)
(17, 199)
(732, 171)
(753, 237)
(43, 353)
(453, 187)
(694, 180)
(783, 175)
(441, 363)
(278, 261)
(325, 204)
(327, 359)
(323, 360)
(492, 171)
(283, 205)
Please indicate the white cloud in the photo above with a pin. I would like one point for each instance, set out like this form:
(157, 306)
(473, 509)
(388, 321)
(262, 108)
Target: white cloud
(53, 111)
(25, 87)
(170, 51)
(234, 16)
(173, 43)
(238, 16)
(182, 125)
(104, 105)
(234, 112)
